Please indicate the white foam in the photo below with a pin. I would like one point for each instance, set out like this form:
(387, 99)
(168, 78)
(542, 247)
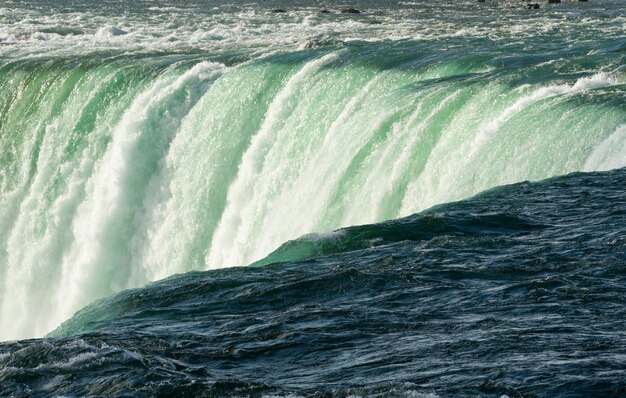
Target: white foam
(253, 29)
(69, 364)
(108, 32)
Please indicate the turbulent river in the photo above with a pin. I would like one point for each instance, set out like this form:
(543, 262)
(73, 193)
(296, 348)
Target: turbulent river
(304, 151)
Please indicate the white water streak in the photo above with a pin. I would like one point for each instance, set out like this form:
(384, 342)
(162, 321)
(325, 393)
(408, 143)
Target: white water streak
(39, 231)
(101, 257)
(86, 251)
(610, 154)
(246, 197)
(452, 171)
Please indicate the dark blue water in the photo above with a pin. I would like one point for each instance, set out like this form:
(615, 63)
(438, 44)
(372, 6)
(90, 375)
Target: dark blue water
(520, 291)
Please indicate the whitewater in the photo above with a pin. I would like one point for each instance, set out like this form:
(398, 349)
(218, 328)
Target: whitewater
(139, 141)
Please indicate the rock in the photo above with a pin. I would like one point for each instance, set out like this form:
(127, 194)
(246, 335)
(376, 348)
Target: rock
(533, 6)
(324, 12)
(554, 1)
(481, 1)
(279, 10)
(350, 11)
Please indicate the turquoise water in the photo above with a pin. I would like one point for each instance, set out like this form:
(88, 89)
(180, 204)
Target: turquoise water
(142, 140)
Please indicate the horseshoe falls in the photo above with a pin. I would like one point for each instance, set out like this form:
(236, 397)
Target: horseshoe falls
(287, 174)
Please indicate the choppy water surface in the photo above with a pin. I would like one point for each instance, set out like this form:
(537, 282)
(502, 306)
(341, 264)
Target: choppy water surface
(42, 28)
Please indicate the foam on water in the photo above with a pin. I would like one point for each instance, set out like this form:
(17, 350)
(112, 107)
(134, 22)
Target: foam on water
(108, 32)
(253, 28)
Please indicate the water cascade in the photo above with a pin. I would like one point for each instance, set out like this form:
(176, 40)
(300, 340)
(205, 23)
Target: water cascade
(117, 173)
